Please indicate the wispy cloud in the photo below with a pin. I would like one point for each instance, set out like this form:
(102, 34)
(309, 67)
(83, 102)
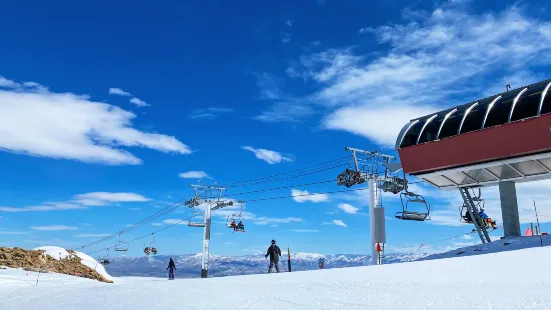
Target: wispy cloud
(118, 92)
(348, 208)
(175, 222)
(194, 175)
(335, 222)
(305, 196)
(54, 227)
(271, 157)
(13, 232)
(134, 209)
(304, 230)
(81, 201)
(209, 113)
(426, 65)
(265, 220)
(105, 198)
(138, 102)
(91, 235)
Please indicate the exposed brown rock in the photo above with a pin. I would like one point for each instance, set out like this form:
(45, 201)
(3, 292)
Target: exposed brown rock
(36, 260)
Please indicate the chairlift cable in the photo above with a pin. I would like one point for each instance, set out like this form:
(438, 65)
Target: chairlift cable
(290, 177)
(285, 173)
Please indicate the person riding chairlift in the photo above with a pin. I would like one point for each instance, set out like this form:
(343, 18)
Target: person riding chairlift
(241, 226)
(233, 225)
(147, 251)
(487, 220)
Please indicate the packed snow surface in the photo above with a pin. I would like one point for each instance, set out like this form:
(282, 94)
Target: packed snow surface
(61, 253)
(518, 279)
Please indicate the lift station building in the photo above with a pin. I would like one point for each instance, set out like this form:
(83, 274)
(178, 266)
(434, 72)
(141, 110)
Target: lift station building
(498, 140)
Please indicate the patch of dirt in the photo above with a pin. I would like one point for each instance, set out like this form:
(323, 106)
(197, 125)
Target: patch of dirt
(36, 260)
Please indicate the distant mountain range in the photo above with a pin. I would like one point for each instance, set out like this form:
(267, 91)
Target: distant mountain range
(189, 265)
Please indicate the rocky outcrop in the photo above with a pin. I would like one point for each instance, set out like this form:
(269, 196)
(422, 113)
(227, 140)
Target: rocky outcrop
(36, 260)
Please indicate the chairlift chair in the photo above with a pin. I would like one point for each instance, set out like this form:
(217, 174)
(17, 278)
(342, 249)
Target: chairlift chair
(119, 247)
(409, 199)
(233, 218)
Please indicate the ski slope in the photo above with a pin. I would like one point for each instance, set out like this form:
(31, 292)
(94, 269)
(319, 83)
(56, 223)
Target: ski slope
(518, 279)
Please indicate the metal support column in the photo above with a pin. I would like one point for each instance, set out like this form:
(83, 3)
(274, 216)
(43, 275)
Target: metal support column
(509, 209)
(375, 224)
(206, 241)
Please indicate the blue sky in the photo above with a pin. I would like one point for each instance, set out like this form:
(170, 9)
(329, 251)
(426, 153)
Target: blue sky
(105, 106)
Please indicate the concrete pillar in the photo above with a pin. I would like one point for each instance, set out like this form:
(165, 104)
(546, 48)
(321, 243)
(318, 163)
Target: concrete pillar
(509, 209)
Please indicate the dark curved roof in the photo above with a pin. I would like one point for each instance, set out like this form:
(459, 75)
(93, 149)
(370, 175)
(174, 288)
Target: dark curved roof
(514, 105)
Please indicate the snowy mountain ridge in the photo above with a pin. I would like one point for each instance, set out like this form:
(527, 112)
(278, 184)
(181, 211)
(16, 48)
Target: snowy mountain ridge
(188, 265)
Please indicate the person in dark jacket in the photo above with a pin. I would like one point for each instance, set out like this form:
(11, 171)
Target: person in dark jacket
(172, 267)
(274, 252)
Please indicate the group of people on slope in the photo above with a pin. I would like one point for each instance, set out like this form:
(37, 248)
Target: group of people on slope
(273, 251)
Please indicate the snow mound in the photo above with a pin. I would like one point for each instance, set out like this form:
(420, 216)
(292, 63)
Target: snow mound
(94, 264)
(54, 252)
(60, 253)
(502, 245)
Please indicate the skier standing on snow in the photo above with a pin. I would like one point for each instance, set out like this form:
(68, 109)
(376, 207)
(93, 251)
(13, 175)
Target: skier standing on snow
(274, 252)
(172, 266)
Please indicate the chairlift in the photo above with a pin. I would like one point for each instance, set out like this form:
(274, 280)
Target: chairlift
(464, 216)
(410, 199)
(232, 218)
(150, 249)
(119, 247)
(104, 260)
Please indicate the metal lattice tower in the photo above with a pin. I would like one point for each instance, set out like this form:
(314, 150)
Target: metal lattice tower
(380, 171)
(204, 195)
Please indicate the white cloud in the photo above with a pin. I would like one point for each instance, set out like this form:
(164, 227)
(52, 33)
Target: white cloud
(81, 201)
(54, 227)
(74, 128)
(105, 198)
(13, 233)
(46, 206)
(289, 23)
(194, 175)
(5, 83)
(119, 92)
(428, 64)
(91, 235)
(175, 221)
(304, 196)
(264, 220)
(339, 223)
(157, 224)
(138, 102)
(209, 113)
(285, 37)
(348, 208)
(304, 230)
(271, 157)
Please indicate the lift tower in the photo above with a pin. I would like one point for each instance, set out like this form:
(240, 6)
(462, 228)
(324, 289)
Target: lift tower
(203, 195)
(381, 173)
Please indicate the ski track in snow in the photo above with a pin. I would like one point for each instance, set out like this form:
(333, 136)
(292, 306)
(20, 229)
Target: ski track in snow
(519, 279)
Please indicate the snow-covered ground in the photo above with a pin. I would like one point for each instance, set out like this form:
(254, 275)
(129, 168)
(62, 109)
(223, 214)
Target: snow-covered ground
(518, 279)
